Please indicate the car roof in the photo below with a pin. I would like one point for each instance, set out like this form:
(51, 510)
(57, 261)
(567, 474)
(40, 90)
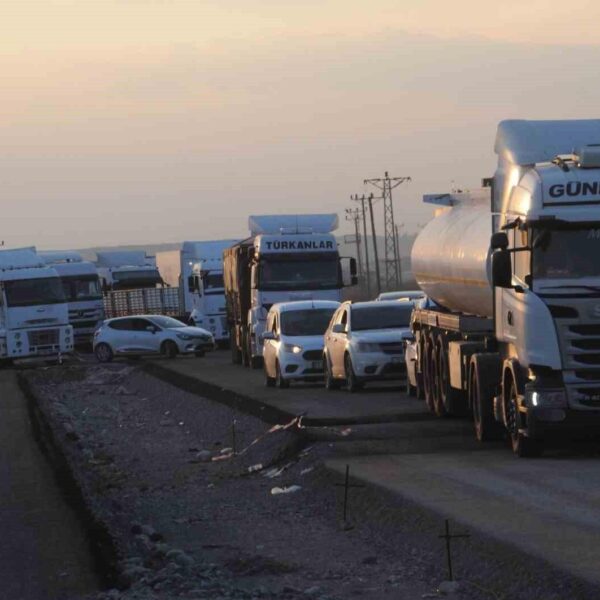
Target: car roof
(304, 305)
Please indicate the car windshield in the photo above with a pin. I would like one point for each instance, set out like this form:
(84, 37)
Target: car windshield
(312, 321)
(86, 287)
(167, 322)
(34, 292)
(381, 317)
(566, 253)
(315, 274)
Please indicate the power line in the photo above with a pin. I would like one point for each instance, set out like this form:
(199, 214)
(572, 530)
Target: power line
(362, 201)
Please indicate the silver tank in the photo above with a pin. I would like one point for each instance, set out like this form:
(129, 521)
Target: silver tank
(451, 258)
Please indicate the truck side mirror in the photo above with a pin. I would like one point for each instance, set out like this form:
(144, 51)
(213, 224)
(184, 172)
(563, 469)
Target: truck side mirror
(191, 283)
(499, 241)
(501, 269)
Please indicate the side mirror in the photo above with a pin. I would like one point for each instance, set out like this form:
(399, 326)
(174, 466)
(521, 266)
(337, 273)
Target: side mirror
(501, 269)
(339, 328)
(191, 283)
(499, 241)
(267, 335)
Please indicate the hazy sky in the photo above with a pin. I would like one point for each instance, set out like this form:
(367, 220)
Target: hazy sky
(147, 121)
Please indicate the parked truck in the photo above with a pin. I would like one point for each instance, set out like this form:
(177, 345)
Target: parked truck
(34, 315)
(286, 258)
(197, 272)
(82, 290)
(515, 271)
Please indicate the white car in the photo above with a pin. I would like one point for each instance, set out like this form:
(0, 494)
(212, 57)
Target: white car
(400, 295)
(364, 342)
(293, 341)
(149, 334)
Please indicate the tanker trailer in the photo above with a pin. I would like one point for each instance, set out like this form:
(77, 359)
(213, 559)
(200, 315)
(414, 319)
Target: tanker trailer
(514, 271)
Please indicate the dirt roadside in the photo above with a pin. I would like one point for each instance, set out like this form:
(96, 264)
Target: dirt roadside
(190, 519)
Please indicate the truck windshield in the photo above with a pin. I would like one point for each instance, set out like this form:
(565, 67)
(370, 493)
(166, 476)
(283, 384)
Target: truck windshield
(136, 279)
(381, 317)
(566, 253)
(306, 322)
(34, 292)
(213, 281)
(305, 274)
(77, 288)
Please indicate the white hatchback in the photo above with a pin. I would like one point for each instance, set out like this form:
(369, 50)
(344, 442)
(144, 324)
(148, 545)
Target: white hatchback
(149, 334)
(293, 341)
(365, 342)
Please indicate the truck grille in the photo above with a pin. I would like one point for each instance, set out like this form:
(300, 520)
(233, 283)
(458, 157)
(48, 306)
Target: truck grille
(43, 337)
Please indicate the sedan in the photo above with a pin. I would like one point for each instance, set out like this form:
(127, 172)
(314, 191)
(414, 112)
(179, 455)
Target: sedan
(364, 342)
(149, 334)
(293, 341)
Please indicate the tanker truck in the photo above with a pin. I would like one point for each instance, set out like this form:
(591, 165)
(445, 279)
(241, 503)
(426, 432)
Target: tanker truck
(514, 272)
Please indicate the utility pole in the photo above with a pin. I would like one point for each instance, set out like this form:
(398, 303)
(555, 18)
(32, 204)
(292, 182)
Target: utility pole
(398, 253)
(376, 254)
(353, 214)
(386, 185)
(362, 201)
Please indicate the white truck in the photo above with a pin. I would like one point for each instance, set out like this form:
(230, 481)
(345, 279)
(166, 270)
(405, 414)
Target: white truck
(126, 270)
(34, 315)
(287, 258)
(515, 271)
(82, 290)
(197, 271)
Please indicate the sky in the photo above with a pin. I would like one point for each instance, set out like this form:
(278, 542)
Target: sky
(150, 121)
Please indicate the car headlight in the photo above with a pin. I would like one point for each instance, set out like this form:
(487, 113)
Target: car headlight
(550, 398)
(367, 347)
(183, 336)
(292, 348)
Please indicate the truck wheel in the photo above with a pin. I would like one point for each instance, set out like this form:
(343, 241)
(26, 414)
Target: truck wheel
(103, 353)
(330, 382)
(353, 384)
(280, 382)
(453, 400)
(427, 374)
(244, 343)
(438, 400)
(169, 349)
(484, 373)
(256, 362)
(236, 355)
(420, 392)
(522, 445)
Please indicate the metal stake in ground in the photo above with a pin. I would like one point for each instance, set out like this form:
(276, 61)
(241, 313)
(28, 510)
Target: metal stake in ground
(448, 537)
(347, 485)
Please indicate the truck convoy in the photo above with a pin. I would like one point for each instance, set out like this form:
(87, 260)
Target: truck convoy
(514, 270)
(81, 286)
(34, 316)
(286, 258)
(197, 272)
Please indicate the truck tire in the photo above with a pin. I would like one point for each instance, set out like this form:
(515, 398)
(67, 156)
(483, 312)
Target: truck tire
(256, 362)
(453, 400)
(484, 374)
(439, 407)
(427, 375)
(244, 348)
(236, 355)
(522, 445)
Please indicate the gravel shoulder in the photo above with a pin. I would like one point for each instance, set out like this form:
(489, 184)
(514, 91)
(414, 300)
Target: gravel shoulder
(189, 518)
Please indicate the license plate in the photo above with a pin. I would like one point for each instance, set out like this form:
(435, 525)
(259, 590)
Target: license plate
(397, 359)
(316, 364)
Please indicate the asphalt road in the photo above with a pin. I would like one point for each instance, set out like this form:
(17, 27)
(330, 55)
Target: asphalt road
(44, 552)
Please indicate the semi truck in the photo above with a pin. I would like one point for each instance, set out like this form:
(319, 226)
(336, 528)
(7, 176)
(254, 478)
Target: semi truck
(83, 293)
(34, 315)
(197, 272)
(514, 271)
(286, 258)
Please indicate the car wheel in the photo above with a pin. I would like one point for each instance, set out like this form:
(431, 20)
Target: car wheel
(352, 382)
(269, 381)
(103, 353)
(280, 382)
(330, 382)
(169, 349)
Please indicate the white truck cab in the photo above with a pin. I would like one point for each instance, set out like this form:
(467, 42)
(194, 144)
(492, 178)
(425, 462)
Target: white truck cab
(82, 290)
(34, 318)
(127, 270)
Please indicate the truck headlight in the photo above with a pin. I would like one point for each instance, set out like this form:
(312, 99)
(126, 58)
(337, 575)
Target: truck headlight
(292, 348)
(550, 398)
